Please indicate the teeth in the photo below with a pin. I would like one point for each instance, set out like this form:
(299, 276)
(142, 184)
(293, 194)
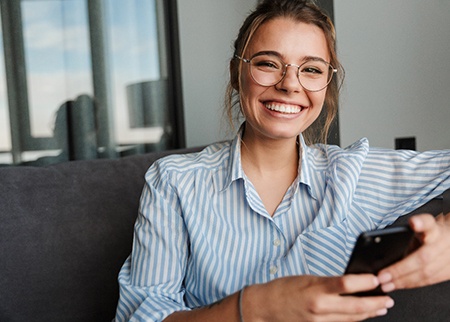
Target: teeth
(283, 108)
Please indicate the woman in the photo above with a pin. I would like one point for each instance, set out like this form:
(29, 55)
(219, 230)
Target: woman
(260, 228)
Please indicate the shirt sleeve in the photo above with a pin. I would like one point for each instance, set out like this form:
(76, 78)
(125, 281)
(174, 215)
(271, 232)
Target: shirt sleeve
(151, 280)
(395, 182)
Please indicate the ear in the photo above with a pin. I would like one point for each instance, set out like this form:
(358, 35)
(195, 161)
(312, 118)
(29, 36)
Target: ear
(234, 74)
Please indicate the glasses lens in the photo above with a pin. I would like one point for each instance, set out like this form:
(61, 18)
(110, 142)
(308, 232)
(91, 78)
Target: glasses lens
(315, 75)
(266, 70)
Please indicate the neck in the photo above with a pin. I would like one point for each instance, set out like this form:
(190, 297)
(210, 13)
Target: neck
(266, 156)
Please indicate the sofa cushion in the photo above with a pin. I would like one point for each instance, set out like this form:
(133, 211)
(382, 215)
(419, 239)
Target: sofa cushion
(65, 231)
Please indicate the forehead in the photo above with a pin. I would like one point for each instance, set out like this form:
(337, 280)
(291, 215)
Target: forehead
(290, 38)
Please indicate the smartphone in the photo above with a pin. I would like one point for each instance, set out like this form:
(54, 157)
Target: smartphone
(377, 249)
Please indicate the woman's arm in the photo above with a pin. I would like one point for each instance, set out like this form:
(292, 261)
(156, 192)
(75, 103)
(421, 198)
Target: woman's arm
(226, 309)
(151, 279)
(298, 298)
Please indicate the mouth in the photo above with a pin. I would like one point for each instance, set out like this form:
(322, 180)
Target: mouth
(284, 107)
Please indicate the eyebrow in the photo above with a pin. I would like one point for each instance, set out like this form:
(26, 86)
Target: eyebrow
(277, 54)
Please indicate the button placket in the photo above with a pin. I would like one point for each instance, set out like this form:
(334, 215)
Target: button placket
(276, 241)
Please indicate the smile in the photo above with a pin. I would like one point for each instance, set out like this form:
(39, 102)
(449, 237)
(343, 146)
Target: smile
(284, 108)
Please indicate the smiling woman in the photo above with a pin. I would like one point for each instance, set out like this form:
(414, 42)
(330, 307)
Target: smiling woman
(69, 65)
(260, 227)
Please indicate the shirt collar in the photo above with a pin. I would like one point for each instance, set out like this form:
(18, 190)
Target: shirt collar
(235, 171)
(305, 167)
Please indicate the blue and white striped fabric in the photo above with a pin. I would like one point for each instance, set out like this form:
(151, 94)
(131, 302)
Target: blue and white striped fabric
(203, 233)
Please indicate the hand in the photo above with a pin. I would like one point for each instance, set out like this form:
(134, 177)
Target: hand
(429, 264)
(312, 298)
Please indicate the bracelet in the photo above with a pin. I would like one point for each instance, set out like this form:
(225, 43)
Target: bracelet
(241, 295)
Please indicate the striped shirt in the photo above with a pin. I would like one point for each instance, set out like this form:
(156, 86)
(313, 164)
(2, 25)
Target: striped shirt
(203, 233)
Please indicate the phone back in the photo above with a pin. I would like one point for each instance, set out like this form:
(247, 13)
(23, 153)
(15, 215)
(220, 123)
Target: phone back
(377, 249)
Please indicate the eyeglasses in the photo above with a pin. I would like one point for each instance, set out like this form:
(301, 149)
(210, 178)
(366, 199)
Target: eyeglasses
(268, 70)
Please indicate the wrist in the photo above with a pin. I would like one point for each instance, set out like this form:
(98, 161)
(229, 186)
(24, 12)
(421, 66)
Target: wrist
(252, 307)
(240, 297)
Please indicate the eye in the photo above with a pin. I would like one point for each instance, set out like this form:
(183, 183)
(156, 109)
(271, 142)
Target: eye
(315, 69)
(267, 63)
(312, 70)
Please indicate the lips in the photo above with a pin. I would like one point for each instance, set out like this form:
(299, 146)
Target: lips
(283, 107)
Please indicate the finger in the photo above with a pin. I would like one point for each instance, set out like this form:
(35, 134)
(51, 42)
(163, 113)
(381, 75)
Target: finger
(413, 281)
(441, 218)
(426, 226)
(423, 267)
(353, 307)
(352, 317)
(352, 283)
(364, 305)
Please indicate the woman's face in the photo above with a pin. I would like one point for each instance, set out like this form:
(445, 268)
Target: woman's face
(282, 111)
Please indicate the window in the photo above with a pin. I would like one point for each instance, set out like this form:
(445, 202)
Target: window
(88, 79)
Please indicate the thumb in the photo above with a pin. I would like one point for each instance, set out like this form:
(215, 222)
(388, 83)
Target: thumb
(425, 226)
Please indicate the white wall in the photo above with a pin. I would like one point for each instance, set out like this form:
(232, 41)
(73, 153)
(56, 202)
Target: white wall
(207, 31)
(396, 55)
(397, 60)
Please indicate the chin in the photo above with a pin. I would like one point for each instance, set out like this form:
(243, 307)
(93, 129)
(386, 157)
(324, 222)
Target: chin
(284, 135)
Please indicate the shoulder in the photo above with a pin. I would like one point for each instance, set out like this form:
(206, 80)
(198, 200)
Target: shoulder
(213, 157)
(332, 154)
(340, 167)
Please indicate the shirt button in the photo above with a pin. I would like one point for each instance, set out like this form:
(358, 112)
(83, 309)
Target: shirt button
(273, 270)
(277, 242)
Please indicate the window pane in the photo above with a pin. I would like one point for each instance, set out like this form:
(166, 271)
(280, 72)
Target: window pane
(5, 139)
(57, 58)
(135, 67)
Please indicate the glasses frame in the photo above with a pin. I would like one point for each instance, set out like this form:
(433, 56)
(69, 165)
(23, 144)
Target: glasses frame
(285, 66)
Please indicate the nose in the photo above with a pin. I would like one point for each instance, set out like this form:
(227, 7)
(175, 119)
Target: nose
(290, 82)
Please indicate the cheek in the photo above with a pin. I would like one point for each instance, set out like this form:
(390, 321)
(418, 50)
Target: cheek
(245, 81)
(317, 99)
(249, 90)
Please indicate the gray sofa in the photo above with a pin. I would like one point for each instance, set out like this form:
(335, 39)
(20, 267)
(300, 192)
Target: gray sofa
(66, 229)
